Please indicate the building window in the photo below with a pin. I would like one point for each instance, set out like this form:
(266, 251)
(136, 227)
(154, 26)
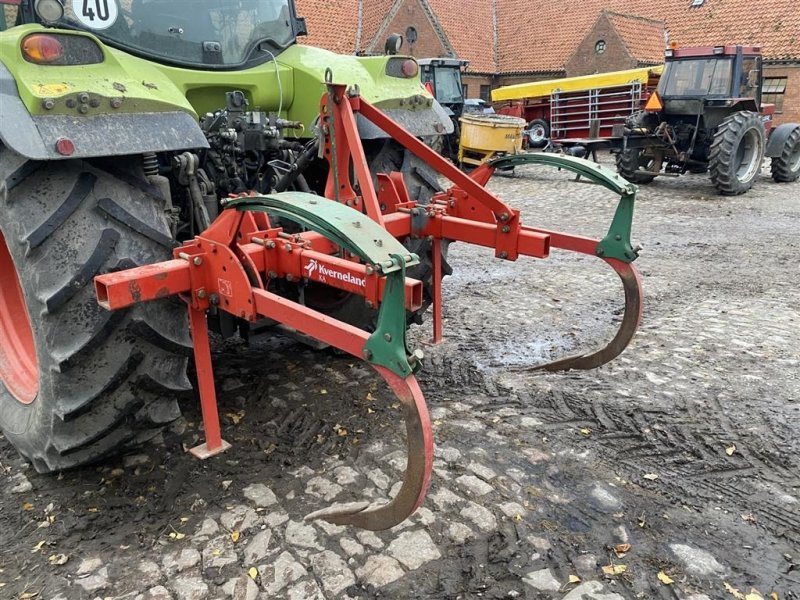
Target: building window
(600, 46)
(773, 92)
(485, 91)
(466, 91)
(411, 35)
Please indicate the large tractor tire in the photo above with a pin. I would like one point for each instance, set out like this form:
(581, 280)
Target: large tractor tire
(786, 167)
(422, 184)
(737, 153)
(631, 162)
(78, 383)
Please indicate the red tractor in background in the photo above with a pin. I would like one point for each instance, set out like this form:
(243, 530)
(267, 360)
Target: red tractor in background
(707, 115)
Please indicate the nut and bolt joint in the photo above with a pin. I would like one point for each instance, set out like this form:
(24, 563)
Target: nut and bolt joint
(197, 261)
(506, 229)
(504, 254)
(387, 337)
(48, 104)
(201, 293)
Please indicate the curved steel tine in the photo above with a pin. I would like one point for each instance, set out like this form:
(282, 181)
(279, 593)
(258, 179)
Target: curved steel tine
(630, 323)
(418, 468)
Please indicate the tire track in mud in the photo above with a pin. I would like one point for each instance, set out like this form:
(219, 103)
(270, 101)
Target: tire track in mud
(686, 448)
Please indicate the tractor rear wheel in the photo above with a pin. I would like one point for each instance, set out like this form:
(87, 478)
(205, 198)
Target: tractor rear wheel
(630, 163)
(78, 383)
(786, 167)
(737, 153)
(422, 184)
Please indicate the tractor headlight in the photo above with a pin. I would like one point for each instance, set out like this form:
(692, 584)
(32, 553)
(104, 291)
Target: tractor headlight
(49, 11)
(61, 50)
(404, 68)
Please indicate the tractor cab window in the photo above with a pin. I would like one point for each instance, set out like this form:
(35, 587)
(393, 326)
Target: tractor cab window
(204, 32)
(448, 85)
(697, 78)
(751, 68)
(8, 16)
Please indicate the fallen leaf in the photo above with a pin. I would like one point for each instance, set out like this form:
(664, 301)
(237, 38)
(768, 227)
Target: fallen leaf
(117, 473)
(574, 579)
(518, 518)
(774, 596)
(235, 417)
(622, 549)
(370, 397)
(235, 536)
(650, 476)
(370, 411)
(253, 572)
(176, 535)
(323, 392)
(733, 591)
(730, 449)
(665, 579)
(27, 506)
(37, 547)
(58, 559)
(215, 552)
(754, 595)
(93, 509)
(28, 595)
(614, 569)
(586, 431)
(184, 519)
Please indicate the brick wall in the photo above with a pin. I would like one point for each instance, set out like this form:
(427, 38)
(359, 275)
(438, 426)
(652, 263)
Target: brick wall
(791, 99)
(586, 60)
(411, 14)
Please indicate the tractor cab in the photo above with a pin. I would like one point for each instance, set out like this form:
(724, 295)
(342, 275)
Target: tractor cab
(204, 34)
(696, 79)
(442, 76)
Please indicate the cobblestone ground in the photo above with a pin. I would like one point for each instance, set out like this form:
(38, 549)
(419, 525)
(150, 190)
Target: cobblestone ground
(671, 473)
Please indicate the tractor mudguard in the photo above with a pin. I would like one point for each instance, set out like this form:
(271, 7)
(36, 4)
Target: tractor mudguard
(35, 136)
(777, 139)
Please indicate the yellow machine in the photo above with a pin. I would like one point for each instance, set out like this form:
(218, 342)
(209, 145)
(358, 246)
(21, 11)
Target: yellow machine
(486, 136)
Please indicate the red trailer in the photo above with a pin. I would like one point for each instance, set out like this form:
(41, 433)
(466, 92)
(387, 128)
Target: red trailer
(576, 107)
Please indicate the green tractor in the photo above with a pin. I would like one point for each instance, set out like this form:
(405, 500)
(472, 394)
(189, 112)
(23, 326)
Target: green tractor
(123, 123)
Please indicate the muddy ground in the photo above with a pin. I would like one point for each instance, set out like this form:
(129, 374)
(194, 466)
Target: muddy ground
(672, 473)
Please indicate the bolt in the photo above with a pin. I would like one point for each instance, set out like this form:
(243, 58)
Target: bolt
(600, 252)
(116, 102)
(48, 104)
(83, 98)
(197, 261)
(272, 275)
(357, 224)
(367, 354)
(618, 237)
(370, 270)
(504, 254)
(213, 299)
(289, 278)
(504, 217)
(271, 245)
(201, 293)
(94, 103)
(452, 203)
(83, 109)
(506, 229)
(387, 337)
(370, 304)
(288, 248)
(71, 103)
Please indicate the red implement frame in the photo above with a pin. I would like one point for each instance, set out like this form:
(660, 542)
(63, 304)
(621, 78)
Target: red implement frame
(229, 267)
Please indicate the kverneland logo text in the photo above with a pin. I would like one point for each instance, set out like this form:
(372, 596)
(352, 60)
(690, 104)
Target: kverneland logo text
(314, 267)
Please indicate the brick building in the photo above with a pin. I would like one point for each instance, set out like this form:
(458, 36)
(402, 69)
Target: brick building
(511, 41)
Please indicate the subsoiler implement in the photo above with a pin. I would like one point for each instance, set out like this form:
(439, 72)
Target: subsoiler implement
(351, 241)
